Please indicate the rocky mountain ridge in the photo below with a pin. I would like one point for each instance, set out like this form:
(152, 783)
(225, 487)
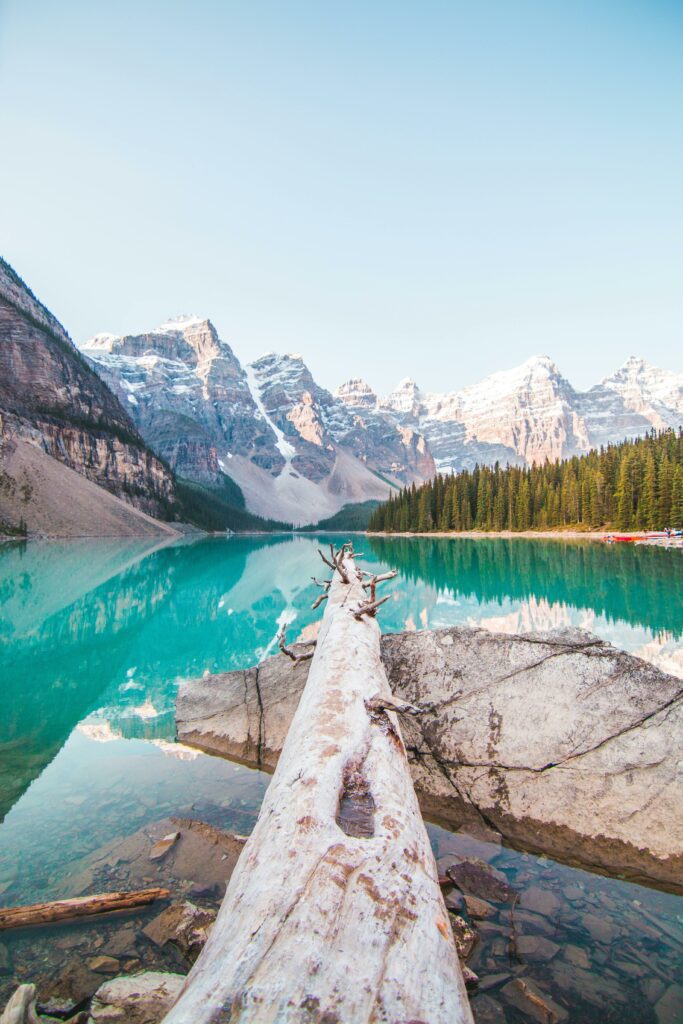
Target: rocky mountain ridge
(532, 413)
(296, 451)
(300, 452)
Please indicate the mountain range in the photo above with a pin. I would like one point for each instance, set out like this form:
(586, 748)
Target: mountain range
(299, 452)
(144, 432)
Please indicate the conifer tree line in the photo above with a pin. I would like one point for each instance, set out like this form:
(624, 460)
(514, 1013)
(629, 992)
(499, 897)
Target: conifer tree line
(634, 485)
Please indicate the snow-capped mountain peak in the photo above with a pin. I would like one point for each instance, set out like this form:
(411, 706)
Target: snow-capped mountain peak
(355, 393)
(180, 323)
(299, 452)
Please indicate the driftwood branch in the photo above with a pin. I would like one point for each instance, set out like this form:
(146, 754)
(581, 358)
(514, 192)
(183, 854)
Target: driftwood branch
(373, 582)
(325, 584)
(294, 655)
(369, 608)
(326, 560)
(336, 561)
(80, 906)
(318, 601)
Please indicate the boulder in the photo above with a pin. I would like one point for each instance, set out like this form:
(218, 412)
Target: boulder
(75, 983)
(141, 999)
(185, 925)
(564, 744)
(21, 1007)
(479, 879)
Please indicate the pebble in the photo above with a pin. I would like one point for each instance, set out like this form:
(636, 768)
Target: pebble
(161, 848)
(103, 964)
(478, 909)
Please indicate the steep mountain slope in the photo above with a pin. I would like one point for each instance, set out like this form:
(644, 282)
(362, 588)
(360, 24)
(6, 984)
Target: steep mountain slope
(51, 499)
(188, 395)
(296, 451)
(51, 398)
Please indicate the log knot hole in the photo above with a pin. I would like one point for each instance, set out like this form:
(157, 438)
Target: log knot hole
(356, 810)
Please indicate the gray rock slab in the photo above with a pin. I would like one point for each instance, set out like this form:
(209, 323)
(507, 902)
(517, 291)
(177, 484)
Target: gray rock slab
(559, 741)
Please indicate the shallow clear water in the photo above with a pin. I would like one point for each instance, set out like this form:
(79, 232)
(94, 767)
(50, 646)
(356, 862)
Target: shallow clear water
(94, 637)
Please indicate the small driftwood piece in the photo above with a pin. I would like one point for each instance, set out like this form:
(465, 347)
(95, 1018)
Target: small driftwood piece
(318, 601)
(294, 655)
(80, 906)
(334, 912)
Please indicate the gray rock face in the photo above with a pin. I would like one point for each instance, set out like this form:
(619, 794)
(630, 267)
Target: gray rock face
(532, 412)
(559, 741)
(51, 398)
(288, 443)
(189, 396)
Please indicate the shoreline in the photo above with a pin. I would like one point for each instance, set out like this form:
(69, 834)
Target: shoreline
(640, 536)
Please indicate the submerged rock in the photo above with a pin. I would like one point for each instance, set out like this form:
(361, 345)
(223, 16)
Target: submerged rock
(202, 858)
(62, 995)
(161, 848)
(480, 879)
(141, 999)
(464, 935)
(183, 924)
(535, 1004)
(564, 744)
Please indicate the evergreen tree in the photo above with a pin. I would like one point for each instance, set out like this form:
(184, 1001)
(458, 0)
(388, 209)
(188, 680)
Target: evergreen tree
(634, 485)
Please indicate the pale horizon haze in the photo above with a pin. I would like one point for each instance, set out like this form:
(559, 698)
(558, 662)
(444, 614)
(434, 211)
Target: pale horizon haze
(435, 190)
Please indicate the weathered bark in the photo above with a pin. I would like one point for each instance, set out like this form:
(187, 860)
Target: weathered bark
(562, 743)
(333, 913)
(79, 906)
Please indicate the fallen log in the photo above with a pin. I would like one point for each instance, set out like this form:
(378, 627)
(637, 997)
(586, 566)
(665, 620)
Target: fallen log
(334, 912)
(79, 906)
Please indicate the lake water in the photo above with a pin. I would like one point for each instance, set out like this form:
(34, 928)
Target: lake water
(95, 636)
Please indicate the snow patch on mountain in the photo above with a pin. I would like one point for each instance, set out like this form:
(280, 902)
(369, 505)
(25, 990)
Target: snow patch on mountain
(287, 450)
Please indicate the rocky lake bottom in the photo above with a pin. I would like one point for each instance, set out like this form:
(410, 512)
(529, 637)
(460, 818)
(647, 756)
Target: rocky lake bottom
(94, 639)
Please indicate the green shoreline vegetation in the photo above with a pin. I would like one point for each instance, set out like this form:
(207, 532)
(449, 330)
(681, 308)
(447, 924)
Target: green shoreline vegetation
(634, 485)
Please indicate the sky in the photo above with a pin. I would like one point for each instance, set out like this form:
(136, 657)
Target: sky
(435, 190)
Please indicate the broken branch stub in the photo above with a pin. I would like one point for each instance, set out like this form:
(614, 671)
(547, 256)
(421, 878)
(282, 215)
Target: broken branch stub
(369, 608)
(294, 655)
(334, 911)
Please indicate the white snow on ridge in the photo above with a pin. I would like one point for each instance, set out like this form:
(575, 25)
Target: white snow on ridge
(179, 323)
(287, 450)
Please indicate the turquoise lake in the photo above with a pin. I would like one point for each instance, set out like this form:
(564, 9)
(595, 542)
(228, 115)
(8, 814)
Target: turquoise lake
(95, 636)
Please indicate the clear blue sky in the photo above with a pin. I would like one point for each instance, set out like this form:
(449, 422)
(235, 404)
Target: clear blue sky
(429, 189)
